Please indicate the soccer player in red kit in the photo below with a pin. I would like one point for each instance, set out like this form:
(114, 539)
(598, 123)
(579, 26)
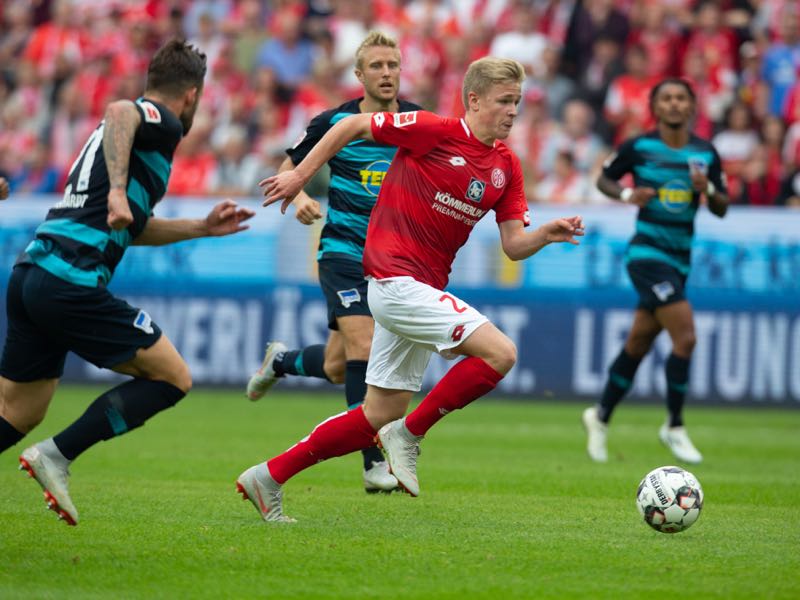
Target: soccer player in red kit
(447, 174)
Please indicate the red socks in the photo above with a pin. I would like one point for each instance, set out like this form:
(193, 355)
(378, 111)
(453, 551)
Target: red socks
(468, 380)
(336, 436)
(350, 431)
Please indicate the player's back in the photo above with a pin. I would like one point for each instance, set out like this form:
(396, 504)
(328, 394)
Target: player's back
(75, 242)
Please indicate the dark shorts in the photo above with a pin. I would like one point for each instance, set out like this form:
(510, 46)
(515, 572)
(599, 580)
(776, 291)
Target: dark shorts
(47, 317)
(342, 281)
(657, 283)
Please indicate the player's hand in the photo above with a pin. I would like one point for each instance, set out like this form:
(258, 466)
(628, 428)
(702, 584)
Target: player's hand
(119, 211)
(564, 230)
(4, 189)
(306, 209)
(227, 218)
(699, 181)
(282, 186)
(641, 195)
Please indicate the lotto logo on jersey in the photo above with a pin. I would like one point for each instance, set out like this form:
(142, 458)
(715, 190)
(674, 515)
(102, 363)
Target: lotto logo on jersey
(475, 190)
(675, 196)
(151, 113)
(372, 176)
(405, 118)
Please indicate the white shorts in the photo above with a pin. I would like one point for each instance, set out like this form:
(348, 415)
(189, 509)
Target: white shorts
(413, 320)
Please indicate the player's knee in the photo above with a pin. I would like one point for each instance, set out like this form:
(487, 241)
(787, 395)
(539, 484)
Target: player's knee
(503, 356)
(685, 342)
(334, 370)
(181, 377)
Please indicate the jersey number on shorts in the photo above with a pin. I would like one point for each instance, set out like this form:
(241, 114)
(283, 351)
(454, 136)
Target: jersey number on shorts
(453, 302)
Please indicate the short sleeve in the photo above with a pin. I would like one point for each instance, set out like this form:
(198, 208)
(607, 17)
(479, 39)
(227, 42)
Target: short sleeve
(418, 131)
(620, 161)
(513, 205)
(715, 174)
(317, 128)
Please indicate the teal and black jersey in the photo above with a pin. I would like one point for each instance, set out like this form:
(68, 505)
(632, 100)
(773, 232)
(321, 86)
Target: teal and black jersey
(357, 172)
(665, 225)
(75, 242)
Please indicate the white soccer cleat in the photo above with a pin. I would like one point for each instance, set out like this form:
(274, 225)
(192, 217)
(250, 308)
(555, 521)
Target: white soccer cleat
(265, 378)
(596, 432)
(378, 478)
(402, 449)
(677, 440)
(258, 486)
(53, 480)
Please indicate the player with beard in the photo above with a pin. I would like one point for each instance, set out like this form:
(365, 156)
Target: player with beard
(58, 300)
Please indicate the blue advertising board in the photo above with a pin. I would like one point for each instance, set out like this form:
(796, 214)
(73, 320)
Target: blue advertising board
(567, 308)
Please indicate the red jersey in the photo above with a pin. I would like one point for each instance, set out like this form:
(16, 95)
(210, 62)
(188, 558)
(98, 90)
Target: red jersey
(441, 182)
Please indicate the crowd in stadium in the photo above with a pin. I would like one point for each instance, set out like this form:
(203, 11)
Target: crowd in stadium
(274, 64)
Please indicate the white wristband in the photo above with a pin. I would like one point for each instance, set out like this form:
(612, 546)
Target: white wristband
(711, 189)
(626, 194)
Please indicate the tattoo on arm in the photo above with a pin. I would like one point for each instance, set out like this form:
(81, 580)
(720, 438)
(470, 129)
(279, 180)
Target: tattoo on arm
(121, 121)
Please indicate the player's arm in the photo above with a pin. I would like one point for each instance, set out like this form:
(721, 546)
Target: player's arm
(306, 209)
(519, 244)
(4, 188)
(121, 121)
(713, 186)
(615, 167)
(628, 195)
(286, 185)
(224, 219)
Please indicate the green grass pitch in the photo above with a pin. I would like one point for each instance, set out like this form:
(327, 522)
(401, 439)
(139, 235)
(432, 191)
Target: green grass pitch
(510, 508)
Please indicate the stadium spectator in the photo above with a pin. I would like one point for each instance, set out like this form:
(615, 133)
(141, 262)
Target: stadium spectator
(737, 143)
(57, 295)
(523, 42)
(592, 19)
(565, 185)
(288, 54)
(658, 39)
(605, 65)
(626, 102)
(237, 171)
(59, 44)
(782, 59)
(671, 168)
(576, 134)
(410, 248)
(37, 175)
(556, 87)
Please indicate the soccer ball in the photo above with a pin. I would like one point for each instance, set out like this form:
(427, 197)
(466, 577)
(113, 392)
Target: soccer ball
(670, 499)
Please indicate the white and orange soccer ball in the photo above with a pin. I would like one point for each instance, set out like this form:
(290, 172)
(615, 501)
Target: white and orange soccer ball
(669, 499)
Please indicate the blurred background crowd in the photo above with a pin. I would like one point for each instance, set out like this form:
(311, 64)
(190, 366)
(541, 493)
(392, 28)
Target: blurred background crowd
(274, 64)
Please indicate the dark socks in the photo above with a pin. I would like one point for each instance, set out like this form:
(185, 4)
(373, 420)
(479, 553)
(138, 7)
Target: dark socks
(8, 435)
(620, 379)
(677, 371)
(307, 362)
(355, 388)
(117, 411)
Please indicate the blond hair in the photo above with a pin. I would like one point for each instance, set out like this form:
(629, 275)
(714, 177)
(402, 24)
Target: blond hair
(374, 38)
(486, 72)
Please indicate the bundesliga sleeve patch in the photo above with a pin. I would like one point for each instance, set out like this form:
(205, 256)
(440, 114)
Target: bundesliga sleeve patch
(151, 113)
(405, 118)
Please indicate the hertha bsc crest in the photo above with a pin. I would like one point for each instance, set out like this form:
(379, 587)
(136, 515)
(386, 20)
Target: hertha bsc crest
(475, 190)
